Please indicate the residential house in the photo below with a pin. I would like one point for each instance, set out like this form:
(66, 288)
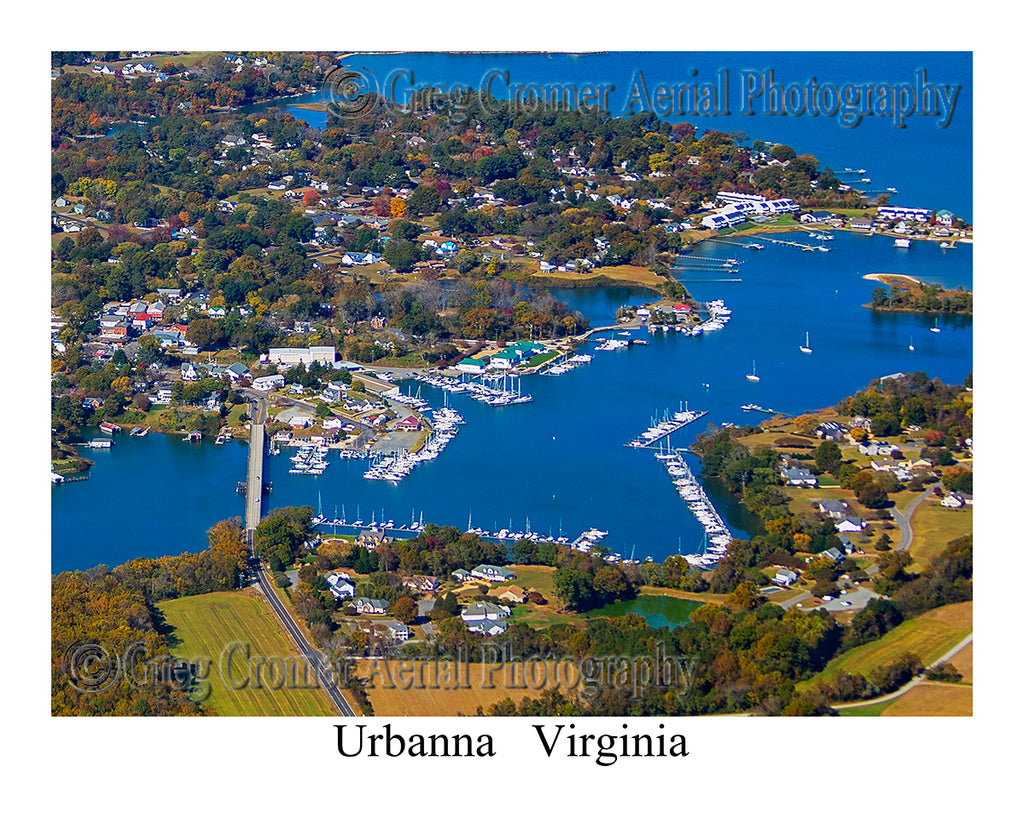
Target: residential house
(341, 585)
(833, 508)
(461, 575)
(370, 605)
(397, 631)
(268, 382)
(831, 431)
(833, 554)
(885, 464)
(495, 574)
(785, 577)
(851, 524)
(372, 537)
(481, 610)
(797, 476)
(421, 582)
(237, 370)
(513, 594)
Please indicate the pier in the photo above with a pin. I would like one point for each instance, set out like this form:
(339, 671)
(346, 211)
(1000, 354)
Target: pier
(792, 244)
(716, 534)
(662, 429)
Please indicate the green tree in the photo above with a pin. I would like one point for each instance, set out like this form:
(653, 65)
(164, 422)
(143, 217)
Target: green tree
(828, 457)
(873, 496)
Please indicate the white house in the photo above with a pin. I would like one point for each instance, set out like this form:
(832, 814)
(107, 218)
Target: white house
(851, 524)
(785, 577)
(796, 476)
(268, 382)
(497, 574)
(341, 585)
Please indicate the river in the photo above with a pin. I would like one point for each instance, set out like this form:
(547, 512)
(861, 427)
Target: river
(559, 462)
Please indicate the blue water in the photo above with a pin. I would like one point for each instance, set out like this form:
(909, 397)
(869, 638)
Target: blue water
(930, 166)
(560, 461)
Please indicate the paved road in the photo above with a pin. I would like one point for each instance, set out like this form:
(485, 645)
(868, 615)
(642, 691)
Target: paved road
(901, 691)
(313, 657)
(903, 519)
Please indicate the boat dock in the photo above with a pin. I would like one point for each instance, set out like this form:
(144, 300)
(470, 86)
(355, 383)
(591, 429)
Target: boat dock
(662, 429)
(716, 534)
(793, 244)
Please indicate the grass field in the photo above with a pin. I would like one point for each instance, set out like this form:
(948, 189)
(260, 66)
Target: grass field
(626, 273)
(206, 625)
(934, 527)
(933, 700)
(421, 689)
(929, 637)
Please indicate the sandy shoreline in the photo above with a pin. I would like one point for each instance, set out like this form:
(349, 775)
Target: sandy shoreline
(881, 277)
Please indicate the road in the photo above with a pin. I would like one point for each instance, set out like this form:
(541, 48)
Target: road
(903, 519)
(253, 506)
(901, 691)
(313, 657)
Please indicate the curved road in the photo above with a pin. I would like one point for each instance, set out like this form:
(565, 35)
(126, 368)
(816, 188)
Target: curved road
(903, 519)
(901, 691)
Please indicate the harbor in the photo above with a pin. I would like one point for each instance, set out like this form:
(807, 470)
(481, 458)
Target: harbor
(561, 457)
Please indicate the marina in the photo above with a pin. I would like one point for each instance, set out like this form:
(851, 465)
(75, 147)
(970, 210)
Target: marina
(532, 459)
(661, 429)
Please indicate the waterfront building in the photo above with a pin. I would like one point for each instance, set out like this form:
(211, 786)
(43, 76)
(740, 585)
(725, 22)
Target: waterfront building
(290, 356)
(497, 574)
(894, 212)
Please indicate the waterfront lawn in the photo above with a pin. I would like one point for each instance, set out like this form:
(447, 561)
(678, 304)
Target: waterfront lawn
(929, 636)
(542, 358)
(533, 577)
(205, 625)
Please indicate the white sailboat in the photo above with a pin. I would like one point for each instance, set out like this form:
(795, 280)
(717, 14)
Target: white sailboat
(806, 348)
(753, 376)
(935, 328)
(911, 347)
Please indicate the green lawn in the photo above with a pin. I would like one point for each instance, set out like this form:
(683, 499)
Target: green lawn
(934, 527)
(208, 625)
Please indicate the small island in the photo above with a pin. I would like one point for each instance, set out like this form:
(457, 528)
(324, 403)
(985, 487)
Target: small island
(907, 294)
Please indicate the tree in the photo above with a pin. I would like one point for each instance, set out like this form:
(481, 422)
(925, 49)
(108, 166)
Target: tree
(885, 424)
(405, 610)
(745, 596)
(204, 333)
(573, 588)
(828, 457)
(873, 496)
